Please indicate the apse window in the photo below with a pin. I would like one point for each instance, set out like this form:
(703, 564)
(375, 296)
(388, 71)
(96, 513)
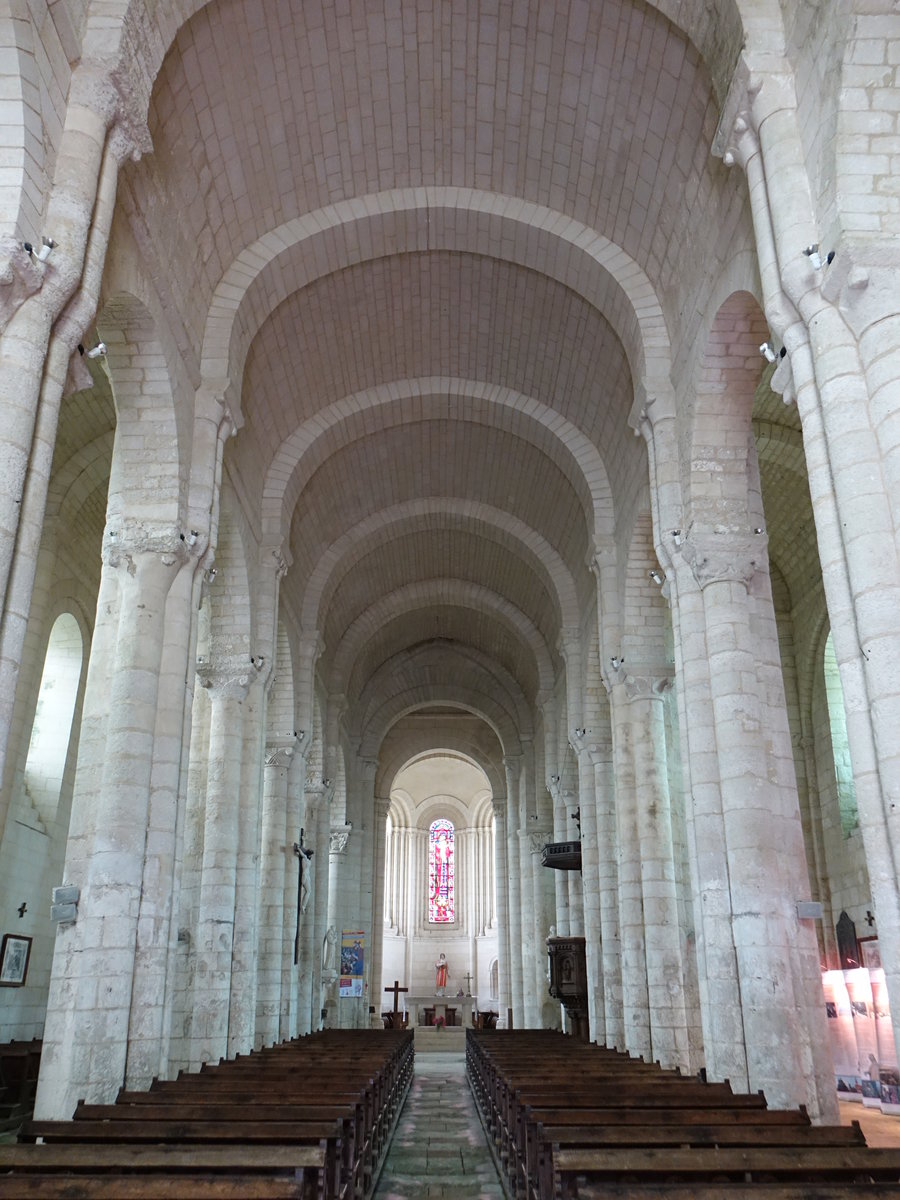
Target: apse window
(440, 873)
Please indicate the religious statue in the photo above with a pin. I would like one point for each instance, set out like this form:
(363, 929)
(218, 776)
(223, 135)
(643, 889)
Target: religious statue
(305, 857)
(441, 970)
(329, 955)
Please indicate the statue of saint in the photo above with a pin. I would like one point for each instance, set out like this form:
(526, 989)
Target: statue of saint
(441, 970)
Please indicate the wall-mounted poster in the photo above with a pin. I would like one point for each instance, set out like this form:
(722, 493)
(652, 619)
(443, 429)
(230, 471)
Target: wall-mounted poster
(14, 955)
(353, 955)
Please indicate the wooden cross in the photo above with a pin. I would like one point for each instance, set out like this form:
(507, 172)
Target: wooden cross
(468, 978)
(396, 989)
(870, 920)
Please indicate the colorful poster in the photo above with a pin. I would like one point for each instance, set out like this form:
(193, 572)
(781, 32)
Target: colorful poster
(353, 956)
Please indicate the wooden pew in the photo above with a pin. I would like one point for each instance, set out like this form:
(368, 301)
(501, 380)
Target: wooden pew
(319, 1109)
(132, 1172)
(628, 1121)
(585, 1174)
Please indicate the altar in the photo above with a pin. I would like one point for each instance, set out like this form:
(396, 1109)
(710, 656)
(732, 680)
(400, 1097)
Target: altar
(415, 1007)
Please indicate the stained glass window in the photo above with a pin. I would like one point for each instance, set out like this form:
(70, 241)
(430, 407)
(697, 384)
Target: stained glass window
(440, 872)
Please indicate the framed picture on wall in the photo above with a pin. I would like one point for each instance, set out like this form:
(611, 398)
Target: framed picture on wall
(869, 953)
(14, 955)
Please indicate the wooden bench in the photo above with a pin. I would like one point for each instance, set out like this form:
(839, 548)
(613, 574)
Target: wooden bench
(320, 1110)
(629, 1121)
(132, 1172)
(859, 1171)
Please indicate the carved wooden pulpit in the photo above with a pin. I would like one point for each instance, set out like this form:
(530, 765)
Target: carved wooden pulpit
(568, 981)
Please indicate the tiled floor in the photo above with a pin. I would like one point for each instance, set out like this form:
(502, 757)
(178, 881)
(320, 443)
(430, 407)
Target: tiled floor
(439, 1149)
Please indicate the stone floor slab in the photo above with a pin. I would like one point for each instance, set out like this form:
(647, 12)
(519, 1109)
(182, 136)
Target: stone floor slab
(439, 1150)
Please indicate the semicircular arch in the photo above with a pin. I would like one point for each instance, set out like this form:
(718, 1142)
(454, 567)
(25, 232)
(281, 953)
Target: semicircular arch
(492, 522)
(453, 592)
(343, 422)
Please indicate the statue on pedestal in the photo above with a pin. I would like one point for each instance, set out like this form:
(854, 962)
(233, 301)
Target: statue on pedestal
(441, 970)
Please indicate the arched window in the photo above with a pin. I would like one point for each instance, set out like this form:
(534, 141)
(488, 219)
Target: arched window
(843, 771)
(52, 728)
(440, 872)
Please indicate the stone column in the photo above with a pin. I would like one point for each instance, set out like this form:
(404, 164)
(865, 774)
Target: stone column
(339, 839)
(601, 757)
(227, 680)
(294, 1012)
(317, 799)
(662, 934)
(380, 812)
(90, 1003)
(275, 848)
(502, 902)
(777, 959)
(839, 327)
(635, 998)
(561, 833)
(96, 104)
(590, 869)
(150, 1027)
(302, 958)
(513, 765)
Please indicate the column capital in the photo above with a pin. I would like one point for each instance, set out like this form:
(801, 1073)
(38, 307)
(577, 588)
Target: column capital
(280, 750)
(498, 803)
(724, 557)
(382, 807)
(535, 838)
(226, 676)
(513, 765)
(653, 402)
(125, 540)
(646, 683)
(338, 838)
(321, 789)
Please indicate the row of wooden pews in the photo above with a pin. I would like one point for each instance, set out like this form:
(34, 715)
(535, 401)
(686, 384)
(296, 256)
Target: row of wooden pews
(311, 1119)
(567, 1120)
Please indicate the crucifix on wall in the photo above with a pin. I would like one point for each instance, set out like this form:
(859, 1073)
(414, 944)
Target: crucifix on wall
(303, 866)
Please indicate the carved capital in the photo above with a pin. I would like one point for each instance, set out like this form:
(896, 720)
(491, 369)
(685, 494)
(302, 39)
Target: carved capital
(647, 685)
(338, 838)
(126, 540)
(536, 839)
(225, 676)
(280, 750)
(724, 557)
(498, 804)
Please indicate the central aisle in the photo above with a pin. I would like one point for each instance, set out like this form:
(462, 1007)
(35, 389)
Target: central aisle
(439, 1148)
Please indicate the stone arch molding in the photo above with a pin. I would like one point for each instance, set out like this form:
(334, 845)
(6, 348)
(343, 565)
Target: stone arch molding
(330, 239)
(366, 534)
(452, 592)
(421, 744)
(412, 699)
(344, 421)
(138, 35)
(441, 675)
